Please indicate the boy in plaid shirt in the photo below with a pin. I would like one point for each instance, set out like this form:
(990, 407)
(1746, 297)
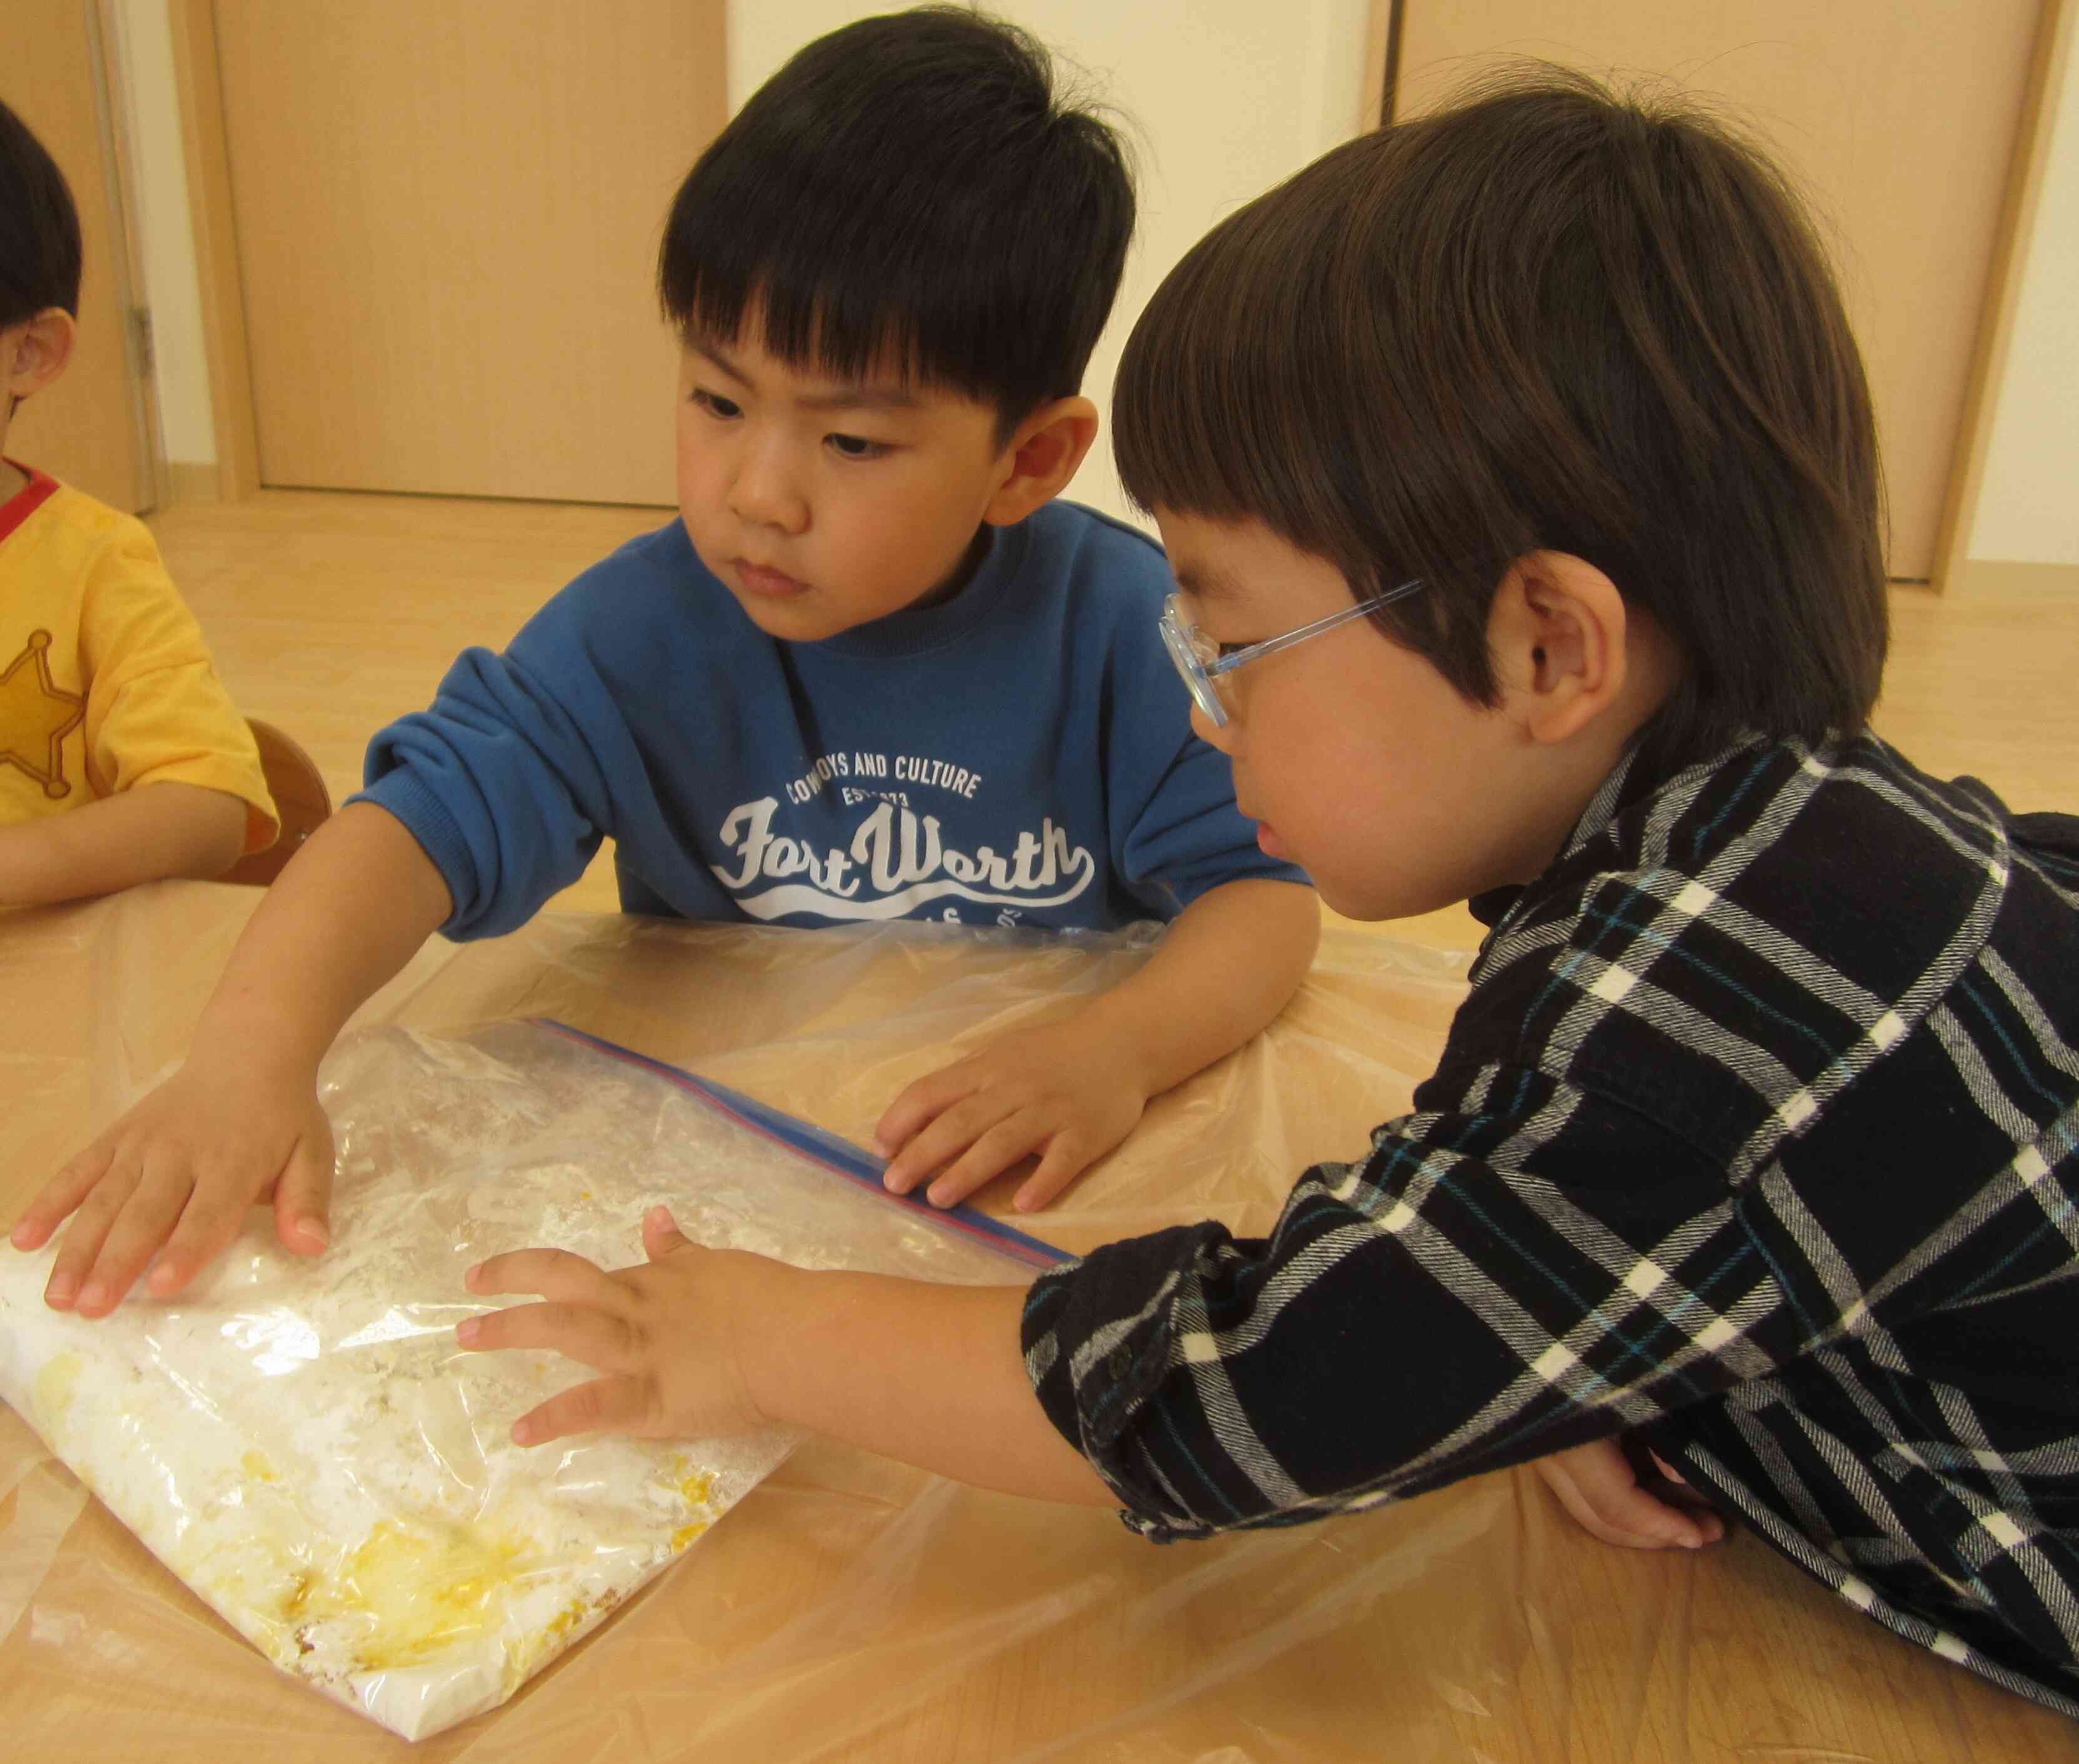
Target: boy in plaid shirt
(1531, 438)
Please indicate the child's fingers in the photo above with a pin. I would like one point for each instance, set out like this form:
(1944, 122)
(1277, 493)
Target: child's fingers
(661, 1235)
(136, 1233)
(1613, 1508)
(582, 1332)
(951, 1133)
(81, 1245)
(57, 1198)
(920, 1102)
(1710, 1528)
(554, 1274)
(1067, 1158)
(1678, 1495)
(603, 1405)
(214, 1214)
(302, 1196)
(1576, 1499)
(994, 1153)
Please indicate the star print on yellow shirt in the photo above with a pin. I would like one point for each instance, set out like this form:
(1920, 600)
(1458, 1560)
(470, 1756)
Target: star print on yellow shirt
(105, 682)
(36, 717)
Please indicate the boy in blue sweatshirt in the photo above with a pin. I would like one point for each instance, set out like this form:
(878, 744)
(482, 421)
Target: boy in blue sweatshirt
(874, 671)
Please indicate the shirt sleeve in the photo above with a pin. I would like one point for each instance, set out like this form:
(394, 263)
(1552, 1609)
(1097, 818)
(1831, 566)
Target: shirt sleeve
(156, 711)
(1525, 1271)
(508, 780)
(1175, 831)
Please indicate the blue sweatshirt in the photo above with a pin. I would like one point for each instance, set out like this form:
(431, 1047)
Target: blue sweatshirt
(1017, 755)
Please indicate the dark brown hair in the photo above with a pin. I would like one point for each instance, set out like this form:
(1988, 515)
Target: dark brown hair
(1544, 319)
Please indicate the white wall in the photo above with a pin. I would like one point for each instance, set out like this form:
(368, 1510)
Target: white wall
(2028, 507)
(1226, 97)
(144, 43)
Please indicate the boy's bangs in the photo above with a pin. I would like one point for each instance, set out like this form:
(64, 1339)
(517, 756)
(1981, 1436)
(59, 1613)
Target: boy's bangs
(813, 329)
(1202, 409)
(1237, 399)
(835, 295)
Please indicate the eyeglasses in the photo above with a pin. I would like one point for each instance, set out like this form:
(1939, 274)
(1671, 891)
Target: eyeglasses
(1199, 660)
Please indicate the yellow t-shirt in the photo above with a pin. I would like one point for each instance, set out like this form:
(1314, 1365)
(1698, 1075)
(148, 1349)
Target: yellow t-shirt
(105, 682)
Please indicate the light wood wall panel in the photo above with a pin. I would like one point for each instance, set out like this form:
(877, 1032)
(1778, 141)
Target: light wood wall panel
(86, 430)
(2050, 108)
(1900, 119)
(447, 214)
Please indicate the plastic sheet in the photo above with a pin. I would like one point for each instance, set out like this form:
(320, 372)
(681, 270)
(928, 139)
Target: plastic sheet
(306, 1448)
(852, 1609)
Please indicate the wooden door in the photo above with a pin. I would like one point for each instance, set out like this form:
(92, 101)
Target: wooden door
(1900, 120)
(448, 214)
(88, 430)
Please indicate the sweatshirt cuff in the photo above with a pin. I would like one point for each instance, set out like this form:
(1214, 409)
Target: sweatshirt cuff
(426, 818)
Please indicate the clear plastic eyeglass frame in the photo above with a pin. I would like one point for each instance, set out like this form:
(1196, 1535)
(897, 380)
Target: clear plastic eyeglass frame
(1200, 661)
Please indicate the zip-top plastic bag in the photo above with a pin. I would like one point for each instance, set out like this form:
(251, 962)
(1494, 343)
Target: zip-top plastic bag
(303, 1442)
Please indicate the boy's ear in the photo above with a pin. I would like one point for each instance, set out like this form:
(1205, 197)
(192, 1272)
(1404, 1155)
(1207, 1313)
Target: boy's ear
(37, 351)
(1558, 634)
(1042, 452)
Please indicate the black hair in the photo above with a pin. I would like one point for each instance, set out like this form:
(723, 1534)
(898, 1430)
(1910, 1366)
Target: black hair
(1544, 319)
(39, 253)
(909, 196)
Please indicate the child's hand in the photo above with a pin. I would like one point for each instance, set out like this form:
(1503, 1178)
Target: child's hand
(173, 1178)
(1596, 1484)
(663, 1333)
(1063, 1092)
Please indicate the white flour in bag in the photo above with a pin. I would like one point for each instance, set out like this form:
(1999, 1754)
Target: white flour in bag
(303, 1444)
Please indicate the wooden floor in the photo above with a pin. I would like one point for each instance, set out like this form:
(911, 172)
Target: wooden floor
(330, 614)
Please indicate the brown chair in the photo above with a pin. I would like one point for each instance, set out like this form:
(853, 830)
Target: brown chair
(300, 799)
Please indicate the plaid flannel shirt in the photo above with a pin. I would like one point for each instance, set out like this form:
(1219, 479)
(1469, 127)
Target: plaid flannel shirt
(1756, 1133)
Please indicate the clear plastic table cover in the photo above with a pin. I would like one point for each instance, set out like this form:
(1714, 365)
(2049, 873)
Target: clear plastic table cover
(851, 1608)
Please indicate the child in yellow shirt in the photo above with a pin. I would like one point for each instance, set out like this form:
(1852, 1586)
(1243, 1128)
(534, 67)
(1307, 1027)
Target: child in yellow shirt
(105, 683)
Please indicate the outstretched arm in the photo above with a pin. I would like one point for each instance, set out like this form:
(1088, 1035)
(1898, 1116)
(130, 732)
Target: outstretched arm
(1069, 1091)
(698, 1342)
(154, 831)
(172, 1179)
